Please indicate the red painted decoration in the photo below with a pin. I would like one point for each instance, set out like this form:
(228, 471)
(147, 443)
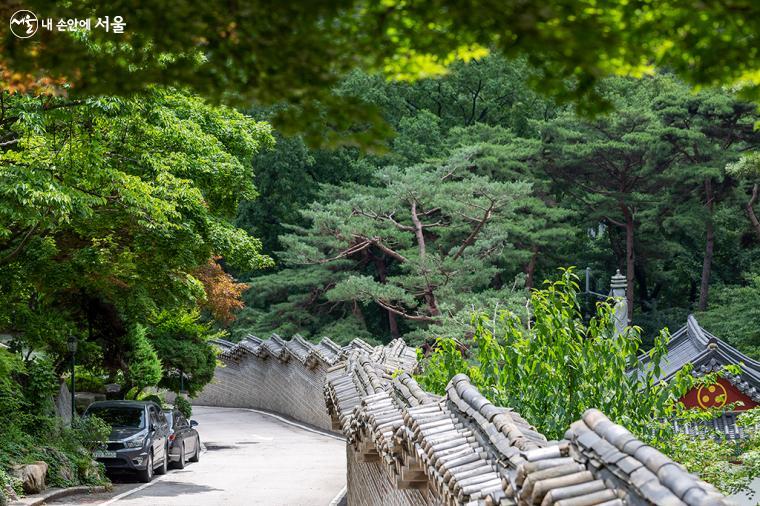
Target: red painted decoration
(717, 396)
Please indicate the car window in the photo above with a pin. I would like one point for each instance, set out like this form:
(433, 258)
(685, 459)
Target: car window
(154, 417)
(119, 416)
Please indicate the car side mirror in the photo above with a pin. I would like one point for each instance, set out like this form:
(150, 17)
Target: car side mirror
(193, 423)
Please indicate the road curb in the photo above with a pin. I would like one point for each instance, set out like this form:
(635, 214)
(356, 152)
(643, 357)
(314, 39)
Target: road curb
(297, 423)
(340, 499)
(57, 493)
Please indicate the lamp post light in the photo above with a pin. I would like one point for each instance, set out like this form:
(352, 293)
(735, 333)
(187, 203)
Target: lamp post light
(71, 344)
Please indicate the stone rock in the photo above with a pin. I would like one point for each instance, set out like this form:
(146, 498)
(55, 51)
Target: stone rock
(62, 403)
(66, 473)
(32, 476)
(9, 494)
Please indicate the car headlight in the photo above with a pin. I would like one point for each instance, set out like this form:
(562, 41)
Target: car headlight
(135, 441)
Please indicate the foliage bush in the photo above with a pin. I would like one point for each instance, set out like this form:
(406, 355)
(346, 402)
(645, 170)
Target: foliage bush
(734, 315)
(729, 464)
(144, 366)
(89, 380)
(30, 432)
(66, 450)
(182, 341)
(8, 482)
(553, 367)
(184, 406)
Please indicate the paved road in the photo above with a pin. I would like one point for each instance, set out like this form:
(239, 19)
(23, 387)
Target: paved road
(250, 458)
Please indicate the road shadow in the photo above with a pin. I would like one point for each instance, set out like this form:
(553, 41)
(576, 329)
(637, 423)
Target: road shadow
(169, 488)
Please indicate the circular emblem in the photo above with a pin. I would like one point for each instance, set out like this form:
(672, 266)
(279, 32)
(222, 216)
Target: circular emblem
(23, 24)
(713, 396)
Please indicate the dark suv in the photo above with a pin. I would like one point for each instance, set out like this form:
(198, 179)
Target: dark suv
(139, 437)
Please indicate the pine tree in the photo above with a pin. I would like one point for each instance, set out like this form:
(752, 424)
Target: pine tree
(708, 131)
(612, 165)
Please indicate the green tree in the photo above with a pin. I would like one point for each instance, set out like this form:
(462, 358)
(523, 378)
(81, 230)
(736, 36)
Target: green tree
(734, 314)
(708, 130)
(143, 368)
(419, 245)
(287, 178)
(108, 208)
(612, 165)
(543, 222)
(551, 367)
(181, 342)
(748, 167)
(269, 52)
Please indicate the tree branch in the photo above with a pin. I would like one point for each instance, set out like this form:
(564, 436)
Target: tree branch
(387, 217)
(350, 251)
(418, 230)
(13, 254)
(475, 231)
(416, 318)
(385, 249)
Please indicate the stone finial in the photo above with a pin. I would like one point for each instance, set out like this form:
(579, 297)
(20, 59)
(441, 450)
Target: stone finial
(618, 284)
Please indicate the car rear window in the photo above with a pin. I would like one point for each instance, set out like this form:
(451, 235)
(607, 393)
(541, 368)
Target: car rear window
(120, 416)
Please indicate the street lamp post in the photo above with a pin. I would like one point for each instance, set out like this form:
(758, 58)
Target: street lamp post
(71, 344)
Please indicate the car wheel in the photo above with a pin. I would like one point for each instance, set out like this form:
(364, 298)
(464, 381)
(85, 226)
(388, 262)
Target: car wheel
(197, 455)
(181, 463)
(165, 465)
(146, 475)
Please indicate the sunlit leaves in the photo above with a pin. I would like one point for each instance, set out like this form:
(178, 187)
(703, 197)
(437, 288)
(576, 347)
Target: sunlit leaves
(109, 206)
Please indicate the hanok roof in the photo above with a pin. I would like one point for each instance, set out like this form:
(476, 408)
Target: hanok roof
(707, 353)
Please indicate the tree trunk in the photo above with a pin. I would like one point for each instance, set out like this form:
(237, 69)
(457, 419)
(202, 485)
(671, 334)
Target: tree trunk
(629, 259)
(418, 232)
(751, 210)
(393, 326)
(358, 314)
(432, 304)
(382, 276)
(704, 288)
(530, 269)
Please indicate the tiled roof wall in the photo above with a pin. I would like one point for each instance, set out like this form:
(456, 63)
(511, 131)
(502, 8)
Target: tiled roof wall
(406, 446)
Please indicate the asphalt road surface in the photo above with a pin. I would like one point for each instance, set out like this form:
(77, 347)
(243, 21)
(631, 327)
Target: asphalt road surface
(250, 458)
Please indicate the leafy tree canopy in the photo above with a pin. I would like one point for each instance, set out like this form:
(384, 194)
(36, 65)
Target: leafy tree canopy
(667, 165)
(108, 209)
(296, 52)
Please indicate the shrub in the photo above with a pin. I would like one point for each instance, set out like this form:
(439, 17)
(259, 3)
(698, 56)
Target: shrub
(66, 450)
(144, 366)
(89, 432)
(556, 367)
(90, 381)
(40, 385)
(153, 397)
(184, 406)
